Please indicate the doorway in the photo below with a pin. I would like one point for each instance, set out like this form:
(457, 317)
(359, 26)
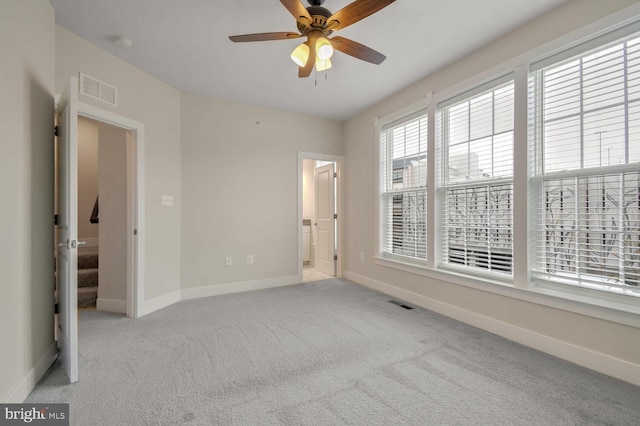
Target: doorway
(126, 271)
(135, 236)
(104, 208)
(68, 109)
(319, 179)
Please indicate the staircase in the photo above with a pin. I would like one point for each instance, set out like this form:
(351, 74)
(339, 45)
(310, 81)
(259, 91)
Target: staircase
(87, 277)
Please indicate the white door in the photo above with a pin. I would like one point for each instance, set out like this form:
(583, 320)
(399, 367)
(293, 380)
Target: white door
(325, 220)
(68, 229)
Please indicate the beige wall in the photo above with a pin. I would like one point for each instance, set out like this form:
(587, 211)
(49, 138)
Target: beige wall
(147, 100)
(309, 200)
(113, 213)
(26, 185)
(603, 337)
(87, 178)
(240, 188)
(308, 189)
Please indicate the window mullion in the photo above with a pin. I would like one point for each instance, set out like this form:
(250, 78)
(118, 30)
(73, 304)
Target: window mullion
(581, 113)
(431, 186)
(576, 226)
(625, 69)
(621, 228)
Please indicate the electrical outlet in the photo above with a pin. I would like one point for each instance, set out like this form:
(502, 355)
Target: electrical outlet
(227, 261)
(249, 259)
(362, 256)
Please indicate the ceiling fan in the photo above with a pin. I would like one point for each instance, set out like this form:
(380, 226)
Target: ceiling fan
(316, 24)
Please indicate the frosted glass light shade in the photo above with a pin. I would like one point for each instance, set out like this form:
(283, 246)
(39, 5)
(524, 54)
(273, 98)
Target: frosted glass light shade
(323, 65)
(300, 55)
(324, 49)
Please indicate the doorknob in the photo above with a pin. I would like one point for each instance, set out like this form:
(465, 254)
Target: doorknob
(72, 244)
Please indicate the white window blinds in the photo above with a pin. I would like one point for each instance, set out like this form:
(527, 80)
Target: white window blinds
(585, 125)
(403, 182)
(477, 181)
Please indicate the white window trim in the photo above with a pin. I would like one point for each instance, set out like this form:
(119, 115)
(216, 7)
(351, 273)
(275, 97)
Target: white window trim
(619, 309)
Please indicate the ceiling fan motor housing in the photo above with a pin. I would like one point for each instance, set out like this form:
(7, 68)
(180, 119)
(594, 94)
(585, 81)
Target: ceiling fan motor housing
(319, 15)
(316, 3)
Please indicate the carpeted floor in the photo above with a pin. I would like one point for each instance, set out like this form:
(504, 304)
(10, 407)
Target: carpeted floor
(322, 353)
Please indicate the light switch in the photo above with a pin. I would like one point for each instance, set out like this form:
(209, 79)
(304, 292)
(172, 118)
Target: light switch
(167, 200)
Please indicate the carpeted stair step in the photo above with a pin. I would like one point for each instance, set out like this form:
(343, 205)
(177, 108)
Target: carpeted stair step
(88, 278)
(87, 297)
(87, 260)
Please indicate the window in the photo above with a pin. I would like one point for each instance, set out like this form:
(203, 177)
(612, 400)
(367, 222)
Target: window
(477, 181)
(585, 129)
(403, 181)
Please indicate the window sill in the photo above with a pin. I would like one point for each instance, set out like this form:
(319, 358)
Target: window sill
(622, 309)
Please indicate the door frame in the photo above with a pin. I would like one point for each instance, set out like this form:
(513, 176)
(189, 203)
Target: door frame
(135, 219)
(323, 223)
(339, 160)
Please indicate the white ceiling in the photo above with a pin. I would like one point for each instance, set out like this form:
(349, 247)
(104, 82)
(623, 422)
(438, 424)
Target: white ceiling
(185, 43)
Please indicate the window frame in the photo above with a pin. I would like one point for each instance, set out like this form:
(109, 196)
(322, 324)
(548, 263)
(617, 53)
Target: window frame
(444, 186)
(578, 283)
(381, 125)
(523, 286)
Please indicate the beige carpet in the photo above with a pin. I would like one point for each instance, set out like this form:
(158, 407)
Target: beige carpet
(323, 353)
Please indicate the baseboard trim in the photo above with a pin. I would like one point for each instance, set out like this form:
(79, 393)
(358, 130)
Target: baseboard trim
(238, 287)
(160, 302)
(23, 388)
(606, 364)
(111, 305)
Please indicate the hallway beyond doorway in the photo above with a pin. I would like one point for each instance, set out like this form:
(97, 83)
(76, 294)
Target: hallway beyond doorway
(309, 274)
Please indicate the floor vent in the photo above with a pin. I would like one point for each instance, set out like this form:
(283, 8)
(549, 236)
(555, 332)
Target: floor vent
(402, 305)
(97, 89)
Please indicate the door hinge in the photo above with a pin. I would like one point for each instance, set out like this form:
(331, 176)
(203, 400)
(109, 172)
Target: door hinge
(335, 175)
(55, 131)
(56, 219)
(135, 232)
(335, 257)
(335, 215)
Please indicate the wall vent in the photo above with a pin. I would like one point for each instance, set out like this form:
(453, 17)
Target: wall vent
(97, 89)
(402, 305)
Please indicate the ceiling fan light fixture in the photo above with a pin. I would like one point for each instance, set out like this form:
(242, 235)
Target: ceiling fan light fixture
(324, 49)
(300, 54)
(323, 65)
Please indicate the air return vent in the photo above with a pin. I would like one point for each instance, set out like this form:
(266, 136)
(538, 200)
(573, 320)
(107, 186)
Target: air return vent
(96, 89)
(402, 305)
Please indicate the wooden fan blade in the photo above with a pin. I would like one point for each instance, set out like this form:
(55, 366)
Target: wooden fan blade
(264, 36)
(354, 12)
(297, 9)
(311, 61)
(357, 50)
